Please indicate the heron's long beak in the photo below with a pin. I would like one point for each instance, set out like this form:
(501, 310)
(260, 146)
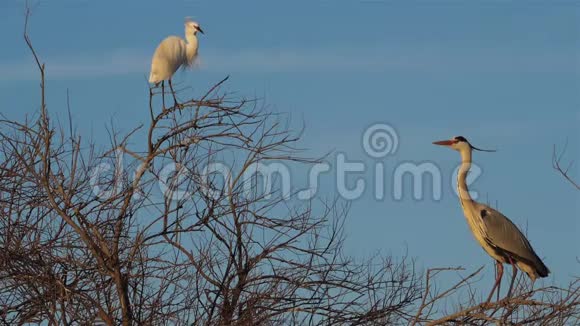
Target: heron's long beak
(444, 142)
(200, 30)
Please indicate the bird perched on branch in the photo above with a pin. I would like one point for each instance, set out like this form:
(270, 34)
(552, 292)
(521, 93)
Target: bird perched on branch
(498, 236)
(172, 53)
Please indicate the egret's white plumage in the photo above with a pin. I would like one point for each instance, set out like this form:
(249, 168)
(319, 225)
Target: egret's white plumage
(174, 52)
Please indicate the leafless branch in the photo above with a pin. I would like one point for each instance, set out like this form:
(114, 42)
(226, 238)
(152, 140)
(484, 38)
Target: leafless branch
(557, 158)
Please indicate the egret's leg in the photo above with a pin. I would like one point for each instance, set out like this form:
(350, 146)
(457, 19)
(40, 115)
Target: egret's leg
(497, 280)
(151, 100)
(173, 92)
(163, 93)
(514, 273)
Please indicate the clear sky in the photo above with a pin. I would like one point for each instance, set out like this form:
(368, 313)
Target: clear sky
(504, 74)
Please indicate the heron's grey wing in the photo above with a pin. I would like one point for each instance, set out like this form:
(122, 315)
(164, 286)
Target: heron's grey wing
(505, 235)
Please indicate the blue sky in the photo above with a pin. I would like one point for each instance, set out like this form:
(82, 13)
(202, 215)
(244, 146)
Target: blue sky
(504, 74)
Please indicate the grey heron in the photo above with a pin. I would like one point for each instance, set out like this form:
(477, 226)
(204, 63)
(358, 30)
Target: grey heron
(498, 236)
(174, 52)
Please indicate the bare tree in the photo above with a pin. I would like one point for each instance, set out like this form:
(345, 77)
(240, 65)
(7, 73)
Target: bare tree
(547, 305)
(87, 235)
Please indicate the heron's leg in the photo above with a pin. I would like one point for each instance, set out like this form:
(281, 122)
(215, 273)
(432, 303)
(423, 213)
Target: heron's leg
(499, 284)
(514, 273)
(173, 93)
(497, 280)
(500, 266)
(496, 274)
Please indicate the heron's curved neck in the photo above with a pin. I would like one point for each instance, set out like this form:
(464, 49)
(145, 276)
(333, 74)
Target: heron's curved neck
(462, 190)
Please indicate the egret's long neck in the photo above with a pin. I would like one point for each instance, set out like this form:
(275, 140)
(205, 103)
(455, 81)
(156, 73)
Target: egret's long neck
(462, 190)
(191, 46)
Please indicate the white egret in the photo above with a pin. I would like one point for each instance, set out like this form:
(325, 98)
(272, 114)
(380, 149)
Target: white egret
(174, 52)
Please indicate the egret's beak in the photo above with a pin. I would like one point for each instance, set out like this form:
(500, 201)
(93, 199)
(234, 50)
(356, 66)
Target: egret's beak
(200, 30)
(444, 142)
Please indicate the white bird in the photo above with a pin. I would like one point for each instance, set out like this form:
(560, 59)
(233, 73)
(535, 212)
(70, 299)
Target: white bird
(174, 52)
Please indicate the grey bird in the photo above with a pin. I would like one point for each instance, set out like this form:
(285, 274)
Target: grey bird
(496, 234)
